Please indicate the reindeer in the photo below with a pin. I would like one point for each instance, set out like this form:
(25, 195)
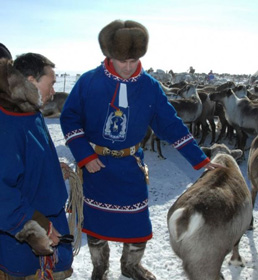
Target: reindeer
(241, 113)
(207, 116)
(208, 220)
(151, 135)
(188, 107)
(253, 92)
(172, 90)
(252, 165)
(220, 113)
(53, 108)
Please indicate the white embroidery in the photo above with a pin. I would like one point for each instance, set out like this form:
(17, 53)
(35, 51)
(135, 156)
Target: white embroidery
(116, 78)
(74, 134)
(137, 207)
(115, 127)
(181, 142)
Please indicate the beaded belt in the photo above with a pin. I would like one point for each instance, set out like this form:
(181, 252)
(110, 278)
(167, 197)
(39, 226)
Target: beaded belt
(104, 151)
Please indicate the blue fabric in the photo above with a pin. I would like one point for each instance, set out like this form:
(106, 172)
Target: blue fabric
(117, 206)
(18, 260)
(30, 179)
(211, 77)
(88, 117)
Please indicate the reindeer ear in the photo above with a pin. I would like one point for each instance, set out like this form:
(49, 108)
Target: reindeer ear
(236, 154)
(207, 151)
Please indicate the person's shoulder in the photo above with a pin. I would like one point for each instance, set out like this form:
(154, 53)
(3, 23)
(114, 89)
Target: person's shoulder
(150, 78)
(151, 84)
(11, 126)
(90, 73)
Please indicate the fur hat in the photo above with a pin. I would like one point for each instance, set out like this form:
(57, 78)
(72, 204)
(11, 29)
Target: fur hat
(4, 52)
(124, 40)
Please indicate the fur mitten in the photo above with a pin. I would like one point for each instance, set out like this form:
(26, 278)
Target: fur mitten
(36, 236)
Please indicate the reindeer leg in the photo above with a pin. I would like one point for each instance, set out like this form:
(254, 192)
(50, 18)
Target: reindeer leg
(241, 139)
(236, 259)
(223, 122)
(159, 148)
(196, 129)
(204, 133)
(146, 138)
(222, 132)
(230, 134)
(153, 138)
(253, 193)
(213, 130)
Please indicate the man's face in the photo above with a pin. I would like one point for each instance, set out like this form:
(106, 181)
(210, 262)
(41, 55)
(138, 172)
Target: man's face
(125, 68)
(45, 84)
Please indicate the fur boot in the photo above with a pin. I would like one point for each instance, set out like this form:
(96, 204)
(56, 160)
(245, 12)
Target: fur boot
(130, 262)
(99, 251)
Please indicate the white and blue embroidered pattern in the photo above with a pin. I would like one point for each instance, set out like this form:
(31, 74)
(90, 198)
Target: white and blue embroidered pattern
(74, 134)
(137, 207)
(183, 141)
(116, 78)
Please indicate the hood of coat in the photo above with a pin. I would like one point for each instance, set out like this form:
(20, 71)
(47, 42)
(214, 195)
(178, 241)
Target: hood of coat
(17, 94)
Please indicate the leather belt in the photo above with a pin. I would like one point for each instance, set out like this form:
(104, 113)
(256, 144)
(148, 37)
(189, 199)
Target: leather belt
(104, 151)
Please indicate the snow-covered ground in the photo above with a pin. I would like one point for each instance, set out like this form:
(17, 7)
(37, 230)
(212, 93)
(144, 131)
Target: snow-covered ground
(168, 179)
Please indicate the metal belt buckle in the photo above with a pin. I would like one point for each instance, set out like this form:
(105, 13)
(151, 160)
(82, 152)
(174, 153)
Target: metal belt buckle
(117, 154)
(106, 151)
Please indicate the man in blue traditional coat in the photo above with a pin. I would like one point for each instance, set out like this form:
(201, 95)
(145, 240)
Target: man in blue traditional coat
(104, 119)
(32, 189)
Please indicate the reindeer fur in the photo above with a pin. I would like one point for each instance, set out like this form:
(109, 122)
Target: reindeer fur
(53, 108)
(207, 221)
(16, 92)
(36, 237)
(253, 170)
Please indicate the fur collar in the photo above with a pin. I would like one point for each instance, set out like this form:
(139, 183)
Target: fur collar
(17, 94)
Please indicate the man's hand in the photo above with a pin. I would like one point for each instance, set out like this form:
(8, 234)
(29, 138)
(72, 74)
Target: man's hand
(54, 235)
(211, 166)
(65, 169)
(94, 165)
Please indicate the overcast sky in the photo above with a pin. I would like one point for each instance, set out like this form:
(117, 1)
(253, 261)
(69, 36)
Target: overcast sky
(209, 35)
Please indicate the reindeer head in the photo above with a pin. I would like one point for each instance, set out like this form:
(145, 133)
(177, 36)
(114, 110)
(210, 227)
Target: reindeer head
(216, 149)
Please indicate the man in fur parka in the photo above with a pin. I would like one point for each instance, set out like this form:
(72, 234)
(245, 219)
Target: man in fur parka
(104, 119)
(4, 52)
(32, 189)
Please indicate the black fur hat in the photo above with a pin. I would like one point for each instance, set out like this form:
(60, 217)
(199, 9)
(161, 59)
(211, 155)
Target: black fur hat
(4, 52)
(124, 40)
